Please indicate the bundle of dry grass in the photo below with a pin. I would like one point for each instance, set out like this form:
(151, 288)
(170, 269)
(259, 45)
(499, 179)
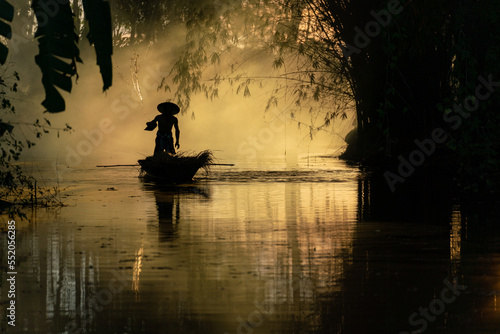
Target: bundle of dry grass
(201, 160)
(180, 166)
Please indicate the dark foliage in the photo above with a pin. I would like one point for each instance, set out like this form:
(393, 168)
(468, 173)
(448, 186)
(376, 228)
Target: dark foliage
(18, 189)
(57, 42)
(6, 14)
(59, 53)
(98, 14)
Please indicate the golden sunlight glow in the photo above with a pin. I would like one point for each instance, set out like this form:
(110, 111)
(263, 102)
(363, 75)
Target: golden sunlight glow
(455, 240)
(137, 271)
(135, 79)
(311, 27)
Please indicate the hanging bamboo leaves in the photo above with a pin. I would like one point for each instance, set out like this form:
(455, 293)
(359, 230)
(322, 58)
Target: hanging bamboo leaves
(58, 50)
(6, 14)
(98, 14)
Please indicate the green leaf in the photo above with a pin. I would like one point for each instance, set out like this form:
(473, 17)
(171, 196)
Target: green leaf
(62, 81)
(278, 62)
(5, 30)
(7, 14)
(4, 51)
(6, 11)
(57, 51)
(54, 102)
(5, 127)
(98, 14)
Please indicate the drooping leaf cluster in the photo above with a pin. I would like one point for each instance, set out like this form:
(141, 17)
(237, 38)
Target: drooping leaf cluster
(98, 14)
(6, 15)
(224, 43)
(58, 40)
(58, 51)
(224, 38)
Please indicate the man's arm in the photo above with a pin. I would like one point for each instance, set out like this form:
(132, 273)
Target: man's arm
(150, 126)
(177, 133)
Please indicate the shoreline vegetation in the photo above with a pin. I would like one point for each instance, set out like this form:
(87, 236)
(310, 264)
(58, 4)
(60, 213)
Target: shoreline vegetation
(30, 197)
(409, 168)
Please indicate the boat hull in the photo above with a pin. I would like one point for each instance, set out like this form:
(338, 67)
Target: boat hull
(174, 168)
(169, 173)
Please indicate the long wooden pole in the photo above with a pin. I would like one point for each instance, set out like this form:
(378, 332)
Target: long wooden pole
(106, 166)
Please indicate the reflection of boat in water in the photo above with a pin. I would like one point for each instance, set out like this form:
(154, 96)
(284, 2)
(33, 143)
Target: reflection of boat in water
(178, 168)
(168, 198)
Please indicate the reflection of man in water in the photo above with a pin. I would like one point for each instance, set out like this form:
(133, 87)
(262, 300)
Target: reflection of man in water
(164, 140)
(168, 214)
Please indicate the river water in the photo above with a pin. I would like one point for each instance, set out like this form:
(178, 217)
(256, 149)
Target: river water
(253, 249)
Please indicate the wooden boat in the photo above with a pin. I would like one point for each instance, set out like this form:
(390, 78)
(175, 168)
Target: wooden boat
(178, 168)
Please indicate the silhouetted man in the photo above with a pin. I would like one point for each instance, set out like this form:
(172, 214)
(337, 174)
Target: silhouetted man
(164, 140)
